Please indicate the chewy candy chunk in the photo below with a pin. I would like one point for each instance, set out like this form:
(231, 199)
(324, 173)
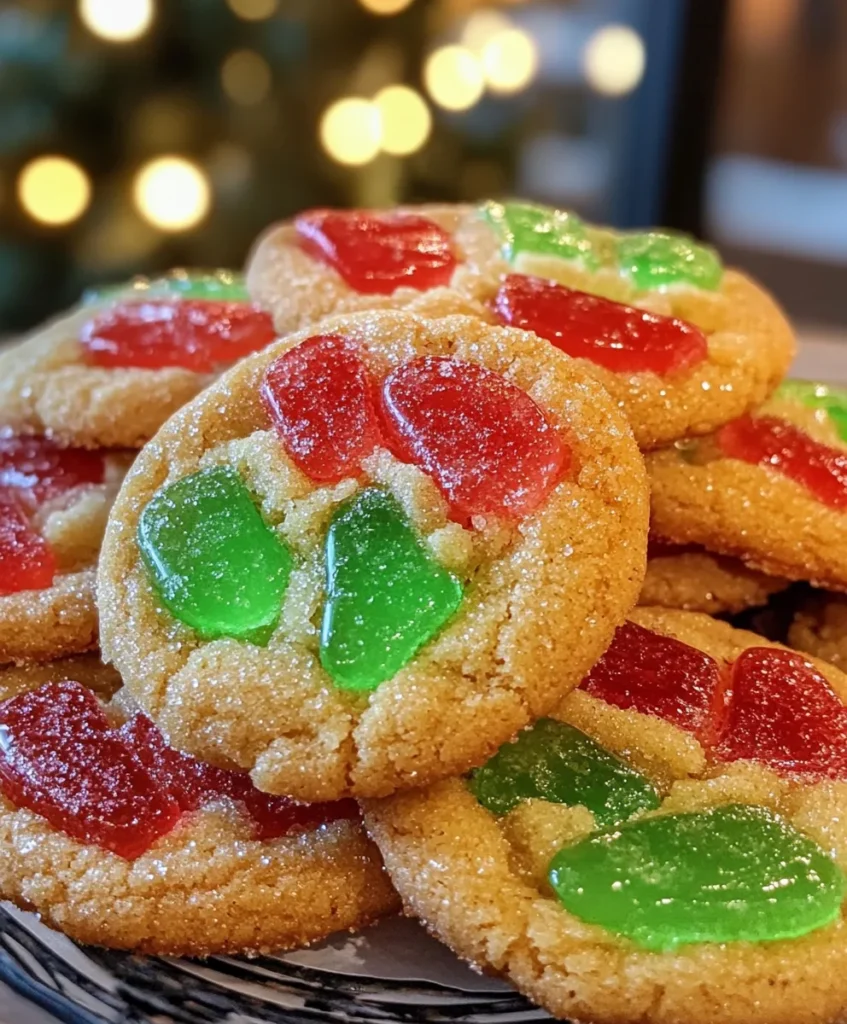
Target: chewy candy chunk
(193, 334)
(731, 874)
(779, 445)
(555, 762)
(815, 395)
(212, 285)
(321, 400)
(39, 469)
(784, 714)
(661, 259)
(27, 561)
(489, 447)
(60, 759)
(658, 675)
(386, 595)
(540, 231)
(377, 253)
(216, 564)
(610, 334)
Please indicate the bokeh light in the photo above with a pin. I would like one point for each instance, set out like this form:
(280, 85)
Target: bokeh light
(385, 7)
(614, 59)
(481, 27)
(351, 131)
(117, 21)
(246, 77)
(405, 119)
(251, 10)
(54, 190)
(509, 61)
(172, 193)
(453, 77)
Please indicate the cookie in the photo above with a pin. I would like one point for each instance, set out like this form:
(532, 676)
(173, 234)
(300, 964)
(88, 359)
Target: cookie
(107, 375)
(696, 580)
(682, 344)
(769, 488)
(365, 558)
(820, 628)
(117, 840)
(668, 847)
(54, 502)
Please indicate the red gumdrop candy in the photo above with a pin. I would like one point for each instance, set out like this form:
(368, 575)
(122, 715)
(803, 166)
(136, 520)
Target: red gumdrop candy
(778, 444)
(376, 253)
(27, 561)
(193, 783)
(658, 675)
(192, 334)
(321, 400)
(618, 337)
(487, 444)
(784, 714)
(60, 759)
(39, 469)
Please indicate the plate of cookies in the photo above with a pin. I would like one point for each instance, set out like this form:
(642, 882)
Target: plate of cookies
(444, 619)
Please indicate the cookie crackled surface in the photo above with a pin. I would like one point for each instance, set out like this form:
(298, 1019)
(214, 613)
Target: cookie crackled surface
(367, 556)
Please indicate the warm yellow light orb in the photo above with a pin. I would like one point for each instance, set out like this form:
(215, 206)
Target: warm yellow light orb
(117, 21)
(253, 10)
(351, 131)
(246, 77)
(405, 119)
(453, 77)
(481, 27)
(54, 190)
(385, 7)
(172, 193)
(614, 59)
(509, 61)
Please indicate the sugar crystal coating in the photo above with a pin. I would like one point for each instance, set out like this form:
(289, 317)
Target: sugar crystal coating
(386, 595)
(489, 447)
(554, 761)
(779, 445)
(193, 334)
(321, 400)
(661, 259)
(540, 230)
(377, 253)
(611, 334)
(26, 560)
(215, 563)
(735, 873)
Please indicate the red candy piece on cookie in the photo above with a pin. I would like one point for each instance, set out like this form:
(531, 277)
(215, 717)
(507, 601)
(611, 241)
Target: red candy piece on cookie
(618, 337)
(778, 444)
(486, 443)
(192, 334)
(784, 714)
(39, 469)
(27, 561)
(321, 400)
(376, 253)
(658, 675)
(60, 758)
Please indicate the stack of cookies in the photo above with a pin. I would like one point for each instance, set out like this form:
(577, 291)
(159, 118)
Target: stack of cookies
(318, 600)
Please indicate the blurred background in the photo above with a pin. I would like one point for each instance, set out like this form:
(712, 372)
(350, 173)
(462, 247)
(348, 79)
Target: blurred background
(140, 134)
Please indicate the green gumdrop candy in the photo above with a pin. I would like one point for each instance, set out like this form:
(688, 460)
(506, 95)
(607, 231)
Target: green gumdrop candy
(211, 285)
(556, 762)
(731, 874)
(217, 565)
(815, 395)
(656, 259)
(386, 595)
(540, 231)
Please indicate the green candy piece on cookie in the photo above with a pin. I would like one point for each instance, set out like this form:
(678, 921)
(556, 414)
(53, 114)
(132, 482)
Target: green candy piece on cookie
(210, 285)
(540, 231)
(815, 395)
(661, 259)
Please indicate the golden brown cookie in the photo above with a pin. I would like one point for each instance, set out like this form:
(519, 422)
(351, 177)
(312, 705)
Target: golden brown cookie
(450, 572)
(696, 580)
(654, 851)
(769, 488)
(681, 344)
(109, 373)
(221, 874)
(820, 628)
